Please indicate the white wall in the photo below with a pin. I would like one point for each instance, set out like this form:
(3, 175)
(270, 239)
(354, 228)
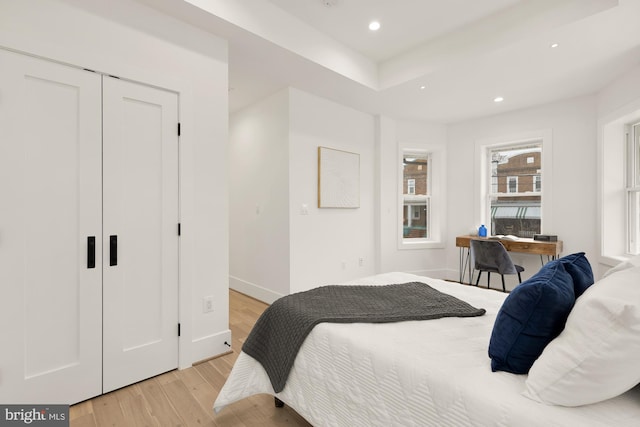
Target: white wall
(392, 135)
(622, 92)
(572, 124)
(127, 39)
(326, 244)
(259, 198)
(275, 248)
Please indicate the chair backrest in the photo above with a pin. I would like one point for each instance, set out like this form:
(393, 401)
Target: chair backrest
(491, 255)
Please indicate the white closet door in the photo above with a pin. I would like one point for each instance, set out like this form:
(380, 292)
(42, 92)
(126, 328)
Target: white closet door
(50, 203)
(140, 187)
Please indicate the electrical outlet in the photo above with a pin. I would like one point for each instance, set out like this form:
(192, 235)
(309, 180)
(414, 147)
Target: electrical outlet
(207, 304)
(361, 261)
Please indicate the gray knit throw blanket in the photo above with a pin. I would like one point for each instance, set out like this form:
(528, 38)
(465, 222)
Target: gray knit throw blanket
(279, 333)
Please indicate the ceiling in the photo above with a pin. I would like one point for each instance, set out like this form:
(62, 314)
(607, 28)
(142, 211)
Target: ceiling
(406, 24)
(431, 60)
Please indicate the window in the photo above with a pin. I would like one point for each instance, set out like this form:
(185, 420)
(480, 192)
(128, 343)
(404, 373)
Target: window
(411, 186)
(416, 195)
(514, 197)
(633, 189)
(618, 179)
(537, 183)
(421, 183)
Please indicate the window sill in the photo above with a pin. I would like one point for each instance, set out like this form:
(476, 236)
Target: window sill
(612, 261)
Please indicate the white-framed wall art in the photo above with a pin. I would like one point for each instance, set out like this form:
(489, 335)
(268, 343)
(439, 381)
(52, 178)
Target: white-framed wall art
(338, 178)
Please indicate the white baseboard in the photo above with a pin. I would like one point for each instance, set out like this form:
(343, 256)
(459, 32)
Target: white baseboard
(454, 275)
(254, 291)
(208, 347)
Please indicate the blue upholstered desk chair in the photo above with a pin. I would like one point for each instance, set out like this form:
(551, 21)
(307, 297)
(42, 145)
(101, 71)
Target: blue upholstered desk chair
(492, 257)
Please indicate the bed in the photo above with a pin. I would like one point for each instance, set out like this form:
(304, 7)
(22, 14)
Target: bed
(415, 373)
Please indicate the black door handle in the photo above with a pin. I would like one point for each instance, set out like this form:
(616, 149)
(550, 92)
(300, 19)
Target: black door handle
(113, 250)
(91, 252)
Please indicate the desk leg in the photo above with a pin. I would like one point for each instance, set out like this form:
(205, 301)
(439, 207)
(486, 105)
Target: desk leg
(549, 258)
(468, 262)
(461, 266)
(463, 263)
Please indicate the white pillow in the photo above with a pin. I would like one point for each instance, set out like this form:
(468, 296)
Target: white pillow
(631, 262)
(597, 355)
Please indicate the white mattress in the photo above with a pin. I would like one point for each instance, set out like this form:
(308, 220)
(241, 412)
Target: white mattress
(417, 373)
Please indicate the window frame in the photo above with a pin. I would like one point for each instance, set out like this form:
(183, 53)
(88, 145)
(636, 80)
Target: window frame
(613, 164)
(483, 147)
(537, 186)
(411, 186)
(632, 188)
(436, 203)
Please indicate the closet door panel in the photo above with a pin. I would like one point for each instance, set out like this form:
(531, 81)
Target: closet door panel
(141, 209)
(50, 193)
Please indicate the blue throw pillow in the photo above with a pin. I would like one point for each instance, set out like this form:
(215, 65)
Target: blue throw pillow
(577, 265)
(533, 314)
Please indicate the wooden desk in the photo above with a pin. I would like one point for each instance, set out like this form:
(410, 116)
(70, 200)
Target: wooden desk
(527, 246)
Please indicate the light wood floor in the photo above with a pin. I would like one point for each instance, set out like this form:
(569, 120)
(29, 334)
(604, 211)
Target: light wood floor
(185, 398)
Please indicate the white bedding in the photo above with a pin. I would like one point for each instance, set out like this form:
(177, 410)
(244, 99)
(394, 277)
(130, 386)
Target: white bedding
(417, 373)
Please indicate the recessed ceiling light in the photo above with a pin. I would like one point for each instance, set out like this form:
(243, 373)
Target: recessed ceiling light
(553, 45)
(374, 25)
(498, 99)
(423, 87)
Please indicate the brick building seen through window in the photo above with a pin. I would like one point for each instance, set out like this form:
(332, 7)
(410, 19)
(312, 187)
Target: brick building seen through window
(516, 185)
(415, 208)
